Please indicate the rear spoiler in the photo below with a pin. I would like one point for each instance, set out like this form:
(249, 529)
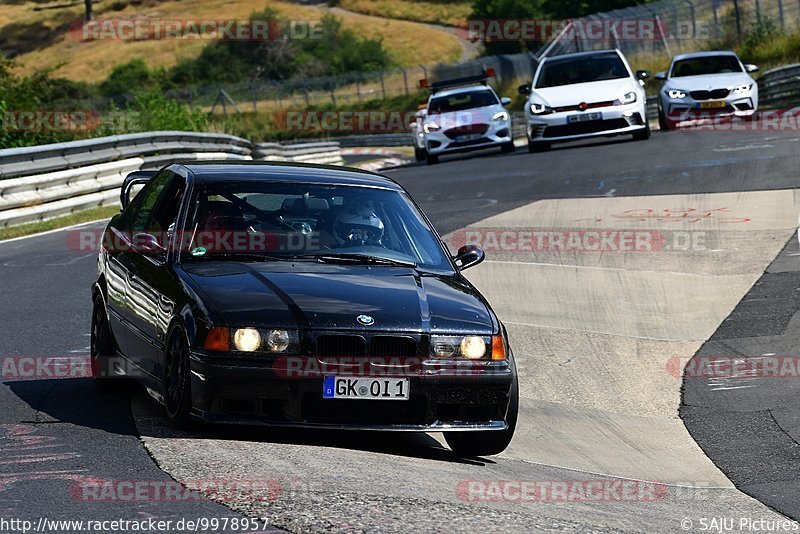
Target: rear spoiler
(134, 178)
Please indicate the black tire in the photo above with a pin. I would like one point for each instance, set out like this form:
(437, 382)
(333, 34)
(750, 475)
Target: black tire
(538, 146)
(103, 347)
(177, 392)
(431, 159)
(486, 443)
(643, 135)
(507, 148)
(662, 121)
(420, 154)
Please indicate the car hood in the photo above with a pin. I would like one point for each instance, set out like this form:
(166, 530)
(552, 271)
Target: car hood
(569, 95)
(331, 297)
(708, 81)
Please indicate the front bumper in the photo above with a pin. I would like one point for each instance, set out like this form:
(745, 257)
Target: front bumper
(449, 142)
(687, 108)
(440, 398)
(616, 120)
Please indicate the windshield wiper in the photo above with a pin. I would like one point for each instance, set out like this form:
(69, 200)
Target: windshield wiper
(365, 258)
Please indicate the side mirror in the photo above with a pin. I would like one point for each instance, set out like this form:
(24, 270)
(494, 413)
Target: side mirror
(469, 256)
(505, 101)
(751, 68)
(524, 89)
(660, 76)
(642, 74)
(147, 244)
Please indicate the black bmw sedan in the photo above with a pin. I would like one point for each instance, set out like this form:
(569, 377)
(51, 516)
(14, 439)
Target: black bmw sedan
(298, 295)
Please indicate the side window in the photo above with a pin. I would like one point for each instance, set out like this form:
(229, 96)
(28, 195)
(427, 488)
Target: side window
(138, 213)
(165, 212)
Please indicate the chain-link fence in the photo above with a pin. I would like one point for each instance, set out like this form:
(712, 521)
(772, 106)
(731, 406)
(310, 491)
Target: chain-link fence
(347, 89)
(672, 27)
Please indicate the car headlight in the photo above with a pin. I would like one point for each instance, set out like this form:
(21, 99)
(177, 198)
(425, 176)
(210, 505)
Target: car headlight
(278, 340)
(742, 89)
(431, 127)
(247, 339)
(469, 347)
(540, 109)
(500, 116)
(676, 93)
(627, 98)
(473, 347)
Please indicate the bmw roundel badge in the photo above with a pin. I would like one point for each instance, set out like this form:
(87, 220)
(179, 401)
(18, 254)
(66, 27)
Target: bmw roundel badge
(366, 320)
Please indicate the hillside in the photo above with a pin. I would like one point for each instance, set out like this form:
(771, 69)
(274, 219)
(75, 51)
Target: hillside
(38, 32)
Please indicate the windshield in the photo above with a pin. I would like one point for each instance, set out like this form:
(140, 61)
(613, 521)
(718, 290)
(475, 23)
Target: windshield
(461, 101)
(699, 66)
(593, 68)
(275, 220)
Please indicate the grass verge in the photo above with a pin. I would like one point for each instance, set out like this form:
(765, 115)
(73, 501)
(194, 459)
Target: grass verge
(444, 12)
(94, 214)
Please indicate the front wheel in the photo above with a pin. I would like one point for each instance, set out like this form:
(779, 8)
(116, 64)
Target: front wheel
(432, 159)
(177, 388)
(102, 346)
(662, 121)
(420, 154)
(642, 135)
(538, 146)
(488, 442)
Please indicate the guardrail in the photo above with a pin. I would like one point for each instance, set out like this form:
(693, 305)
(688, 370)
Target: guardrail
(46, 181)
(779, 88)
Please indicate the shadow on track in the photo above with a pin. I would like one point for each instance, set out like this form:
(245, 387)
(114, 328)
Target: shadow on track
(77, 401)
(150, 422)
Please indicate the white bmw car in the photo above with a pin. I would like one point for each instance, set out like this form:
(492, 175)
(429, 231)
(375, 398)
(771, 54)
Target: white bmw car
(706, 85)
(584, 95)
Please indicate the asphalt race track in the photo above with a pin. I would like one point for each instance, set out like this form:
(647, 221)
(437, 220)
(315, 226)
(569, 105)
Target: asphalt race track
(601, 339)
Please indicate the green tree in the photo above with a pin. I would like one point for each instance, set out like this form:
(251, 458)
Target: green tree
(507, 9)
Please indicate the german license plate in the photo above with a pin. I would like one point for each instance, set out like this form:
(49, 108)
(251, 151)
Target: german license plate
(469, 137)
(584, 117)
(712, 105)
(351, 387)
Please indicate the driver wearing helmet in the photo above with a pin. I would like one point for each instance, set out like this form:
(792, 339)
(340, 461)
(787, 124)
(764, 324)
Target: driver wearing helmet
(358, 226)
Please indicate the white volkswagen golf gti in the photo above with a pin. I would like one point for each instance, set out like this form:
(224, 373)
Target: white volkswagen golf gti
(583, 95)
(706, 85)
